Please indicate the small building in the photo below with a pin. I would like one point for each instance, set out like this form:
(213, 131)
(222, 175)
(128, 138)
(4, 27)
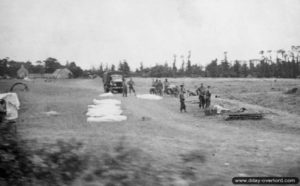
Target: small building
(22, 72)
(63, 73)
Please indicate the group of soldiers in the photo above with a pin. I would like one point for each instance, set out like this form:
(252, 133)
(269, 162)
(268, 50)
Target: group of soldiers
(160, 88)
(203, 93)
(204, 96)
(130, 84)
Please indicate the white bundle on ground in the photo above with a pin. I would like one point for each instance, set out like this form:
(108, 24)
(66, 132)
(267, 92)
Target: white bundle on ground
(106, 101)
(220, 109)
(103, 110)
(109, 118)
(149, 96)
(27, 79)
(109, 94)
(12, 105)
(51, 113)
(106, 110)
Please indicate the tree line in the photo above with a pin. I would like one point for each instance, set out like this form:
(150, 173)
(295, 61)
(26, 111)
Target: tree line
(286, 64)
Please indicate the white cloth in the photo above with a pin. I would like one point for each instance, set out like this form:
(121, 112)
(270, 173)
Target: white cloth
(148, 96)
(12, 105)
(220, 109)
(109, 94)
(105, 110)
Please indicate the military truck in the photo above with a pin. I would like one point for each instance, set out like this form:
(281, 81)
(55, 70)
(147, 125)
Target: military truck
(112, 81)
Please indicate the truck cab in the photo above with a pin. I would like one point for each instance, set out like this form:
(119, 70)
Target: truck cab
(112, 81)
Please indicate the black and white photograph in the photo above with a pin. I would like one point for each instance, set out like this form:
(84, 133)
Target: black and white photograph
(149, 92)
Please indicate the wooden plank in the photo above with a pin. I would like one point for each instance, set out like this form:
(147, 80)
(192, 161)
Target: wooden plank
(244, 116)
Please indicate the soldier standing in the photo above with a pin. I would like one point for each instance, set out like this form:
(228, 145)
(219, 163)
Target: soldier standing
(156, 86)
(130, 84)
(182, 99)
(166, 86)
(124, 88)
(207, 97)
(160, 87)
(201, 93)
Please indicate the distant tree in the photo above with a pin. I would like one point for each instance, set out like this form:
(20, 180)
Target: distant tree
(281, 52)
(51, 64)
(141, 67)
(297, 50)
(270, 54)
(13, 67)
(252, 69)
(236, 68)
(113, 67)
(124, 67)
(182, 65)
(224, 69)
(174, 68)
(106, 67)
(212, 69)
(244, 70)
(101, 70)
(262, 54)
(161, 71)
(120, 67)
(3, 66)
(225, 56)
(196, 70)
(76, 70)
(38, 68)
(189, 65)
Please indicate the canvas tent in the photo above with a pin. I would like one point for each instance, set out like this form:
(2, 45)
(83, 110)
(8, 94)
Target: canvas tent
(63, 73)
(22, 72)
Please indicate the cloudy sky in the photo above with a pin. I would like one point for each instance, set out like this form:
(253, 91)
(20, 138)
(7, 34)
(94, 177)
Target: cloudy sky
(93, 31)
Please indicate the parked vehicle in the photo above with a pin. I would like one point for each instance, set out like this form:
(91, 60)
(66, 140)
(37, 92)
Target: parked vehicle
(112, 81)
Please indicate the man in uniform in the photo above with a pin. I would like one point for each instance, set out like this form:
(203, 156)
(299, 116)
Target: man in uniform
(159, 87)
(156, 86)
(207, 97)
(130, 85)
(182, 99)
(166, 86)
(124, 88)
(201, 93)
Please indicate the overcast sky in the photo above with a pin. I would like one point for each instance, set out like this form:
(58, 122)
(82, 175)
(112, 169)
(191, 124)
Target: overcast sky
(93, 31)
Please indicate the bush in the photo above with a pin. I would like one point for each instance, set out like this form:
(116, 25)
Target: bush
(15, 166)
(53, 165)
(124, 166)
(60, 163)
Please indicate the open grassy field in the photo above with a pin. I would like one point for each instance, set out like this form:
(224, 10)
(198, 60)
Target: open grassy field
(268, 147)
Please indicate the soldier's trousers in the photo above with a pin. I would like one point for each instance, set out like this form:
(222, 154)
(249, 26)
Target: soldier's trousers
(131, 89)
(207, 103)
(201, 101)
(182, 106)
(124, 92)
